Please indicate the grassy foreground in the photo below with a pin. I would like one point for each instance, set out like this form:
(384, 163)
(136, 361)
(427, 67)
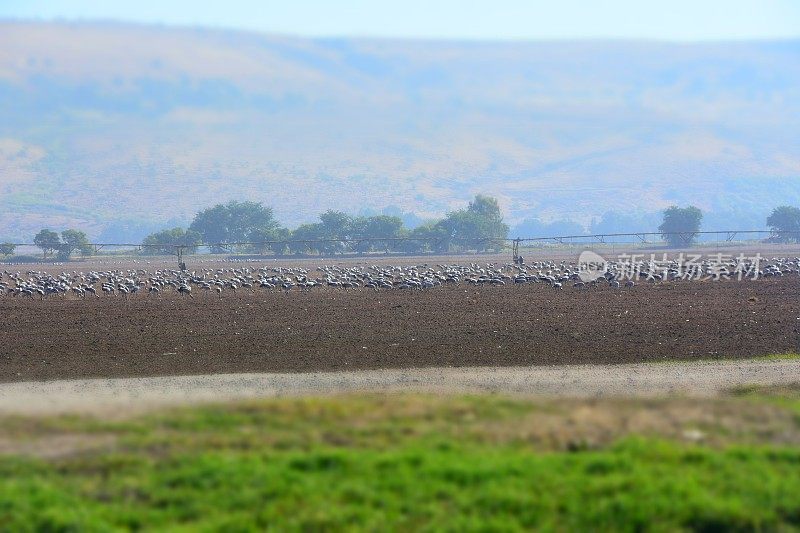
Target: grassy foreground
(411, 462)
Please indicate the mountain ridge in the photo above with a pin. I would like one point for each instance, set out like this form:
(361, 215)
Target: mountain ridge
(111, 124)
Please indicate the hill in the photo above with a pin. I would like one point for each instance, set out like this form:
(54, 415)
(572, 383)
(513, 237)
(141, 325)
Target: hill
(120, 129)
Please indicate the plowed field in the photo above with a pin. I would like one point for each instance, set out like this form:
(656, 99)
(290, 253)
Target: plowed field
(334, 329)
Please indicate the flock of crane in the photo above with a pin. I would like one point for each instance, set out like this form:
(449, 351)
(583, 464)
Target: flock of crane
(219, 281)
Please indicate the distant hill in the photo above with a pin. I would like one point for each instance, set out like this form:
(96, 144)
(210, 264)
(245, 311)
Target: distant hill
(123, 128)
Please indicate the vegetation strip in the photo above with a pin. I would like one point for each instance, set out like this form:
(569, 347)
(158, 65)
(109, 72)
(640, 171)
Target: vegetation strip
(417, 462)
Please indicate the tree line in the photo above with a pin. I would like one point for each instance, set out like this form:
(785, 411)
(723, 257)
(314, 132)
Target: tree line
(61, 246)
(479, 227)
(680, 224)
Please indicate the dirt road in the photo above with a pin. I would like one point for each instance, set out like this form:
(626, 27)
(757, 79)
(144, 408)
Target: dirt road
(129, 395)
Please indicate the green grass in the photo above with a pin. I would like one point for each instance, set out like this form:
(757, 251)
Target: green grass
(398, 462)
(769, 357)
(779, 357)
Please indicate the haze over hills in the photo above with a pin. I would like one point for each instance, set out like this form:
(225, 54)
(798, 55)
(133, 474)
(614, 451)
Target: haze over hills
(121, 129)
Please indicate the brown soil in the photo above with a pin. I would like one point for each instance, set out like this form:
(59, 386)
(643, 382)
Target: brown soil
(360, 329)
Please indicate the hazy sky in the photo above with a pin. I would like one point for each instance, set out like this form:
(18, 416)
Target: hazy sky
(459, 19)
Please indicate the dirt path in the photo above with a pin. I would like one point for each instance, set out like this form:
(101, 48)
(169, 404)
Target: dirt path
(127, 395)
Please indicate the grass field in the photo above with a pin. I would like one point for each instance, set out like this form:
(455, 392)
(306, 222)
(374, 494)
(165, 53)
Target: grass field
(412, 462)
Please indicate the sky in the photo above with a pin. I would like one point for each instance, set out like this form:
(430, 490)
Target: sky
(672, 20)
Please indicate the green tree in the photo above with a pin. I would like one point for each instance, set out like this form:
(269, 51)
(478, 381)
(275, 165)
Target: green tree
(73, 240)
(359, 229)
(429, 237)
(486, 207)
(281, 247)
(269, 239)
(336, 226)
(7, 248)
(376, 228)
(48, 241)
(680, 225)
(306, 232)
(479, 226)
(384, 227)
(165, 241)
(785, 222)
(234, 222)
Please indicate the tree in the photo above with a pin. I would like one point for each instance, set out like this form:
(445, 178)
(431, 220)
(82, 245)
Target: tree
(680, 225)
(491, 227)
(269, 239)
(431, 236)
(785, 221)
(359, 229)
(480, 226)
(48, 241)
(281, 247)
(335, 226)
(7, 248)
(306, 232)
(73, 240)
(164, 242)
(486, 207)
(234, 222)
(384, 227)
(376, 228)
